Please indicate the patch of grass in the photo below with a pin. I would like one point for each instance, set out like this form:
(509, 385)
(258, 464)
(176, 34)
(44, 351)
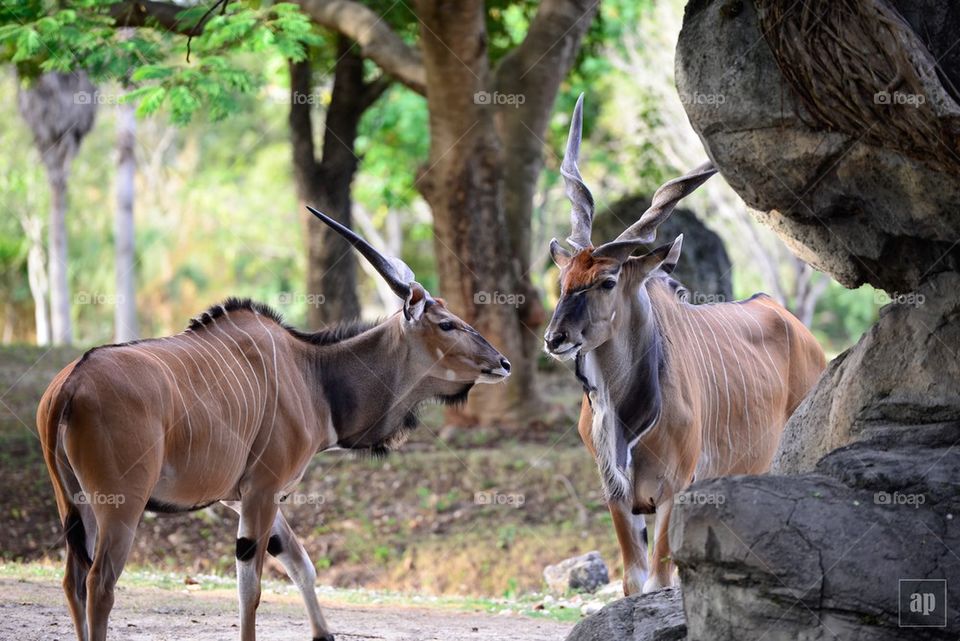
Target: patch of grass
(140, 577)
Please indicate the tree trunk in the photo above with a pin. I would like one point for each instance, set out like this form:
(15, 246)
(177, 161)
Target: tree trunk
(57, 242)
(37, 276)
(125, 308)
(479, 272)
(326, 184)
(485, 160)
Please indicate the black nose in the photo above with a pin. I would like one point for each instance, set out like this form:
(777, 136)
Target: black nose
(505, 364)
(556, 340)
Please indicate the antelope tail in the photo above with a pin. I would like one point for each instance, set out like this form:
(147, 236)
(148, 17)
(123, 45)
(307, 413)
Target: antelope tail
(53, 415)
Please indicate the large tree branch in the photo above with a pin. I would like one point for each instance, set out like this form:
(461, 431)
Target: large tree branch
(145, 13)
(376, 39)
(533, 71)
(539, 64)
(305, 164)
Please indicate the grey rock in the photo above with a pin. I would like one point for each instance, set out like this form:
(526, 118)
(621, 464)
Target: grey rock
(583, 573)
(704, 267)
(859, 212)
(641, 617)
(822, 555)
(904, 371)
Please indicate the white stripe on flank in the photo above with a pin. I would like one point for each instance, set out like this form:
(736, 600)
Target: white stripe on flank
(714, 434)
(726, 384)
(246, 377)
(743, 379)
(233, 424)
(263, 361)
(242, 416)
(197, 395)
(276, 376)
(211, 421)
(704, 461)
(173, 380)
(260, 396)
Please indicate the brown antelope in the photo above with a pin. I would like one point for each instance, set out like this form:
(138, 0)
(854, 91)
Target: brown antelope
(673, 391)
(232, 410)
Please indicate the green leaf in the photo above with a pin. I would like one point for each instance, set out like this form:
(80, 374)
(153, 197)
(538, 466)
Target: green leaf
(152, 72)
(151, 99)
(28, 44)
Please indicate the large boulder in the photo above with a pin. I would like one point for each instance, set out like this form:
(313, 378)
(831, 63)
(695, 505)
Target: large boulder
(840, 554)
(641, 617)
(853, 200)
(704, 267)
(904, 371)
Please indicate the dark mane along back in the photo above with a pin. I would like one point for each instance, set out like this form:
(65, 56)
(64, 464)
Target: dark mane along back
(327, 336)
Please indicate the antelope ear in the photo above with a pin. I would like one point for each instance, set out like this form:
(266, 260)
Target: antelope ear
(673, 256)
(415, 302)
(664, 257)
(559, 255)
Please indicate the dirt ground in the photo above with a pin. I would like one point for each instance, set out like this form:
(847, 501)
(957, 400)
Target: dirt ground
(34, 610)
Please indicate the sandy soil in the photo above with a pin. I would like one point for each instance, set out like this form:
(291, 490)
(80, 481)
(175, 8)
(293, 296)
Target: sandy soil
(34, 610)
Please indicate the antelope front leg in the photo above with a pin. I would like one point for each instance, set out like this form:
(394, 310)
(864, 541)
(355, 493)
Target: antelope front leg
(257, 512)
(631, 534)
(289, 551)
(661, 568)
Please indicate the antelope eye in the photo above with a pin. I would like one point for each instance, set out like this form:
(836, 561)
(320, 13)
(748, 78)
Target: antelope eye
(446, 325)
(608, 284)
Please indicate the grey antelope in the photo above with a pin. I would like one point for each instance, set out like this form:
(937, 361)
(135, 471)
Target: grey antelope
(232, 410)
(673, 391)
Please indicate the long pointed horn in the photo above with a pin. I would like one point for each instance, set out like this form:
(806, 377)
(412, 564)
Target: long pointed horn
(581, 216)
(664, 200)
(396, 272)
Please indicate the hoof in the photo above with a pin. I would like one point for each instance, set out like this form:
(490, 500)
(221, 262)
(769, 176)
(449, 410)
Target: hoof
(326, 637)
(633, 582)
(652, 585)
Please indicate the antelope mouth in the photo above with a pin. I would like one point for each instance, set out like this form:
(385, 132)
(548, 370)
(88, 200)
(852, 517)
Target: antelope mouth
(566, 352)
(493, 375)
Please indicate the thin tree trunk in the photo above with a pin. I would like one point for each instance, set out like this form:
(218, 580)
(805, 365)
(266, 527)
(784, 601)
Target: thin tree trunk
(57, 242)
(58, 120)
(37, 276)
(125, 308)
(326, 184)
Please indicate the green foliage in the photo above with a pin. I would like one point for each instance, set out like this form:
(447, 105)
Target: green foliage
(843, 315)
(507, 25)
(39, 36)
(393, 142)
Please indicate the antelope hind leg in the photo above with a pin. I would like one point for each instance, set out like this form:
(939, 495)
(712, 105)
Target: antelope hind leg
(82, 532)
(285, 546)
(116, 527)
